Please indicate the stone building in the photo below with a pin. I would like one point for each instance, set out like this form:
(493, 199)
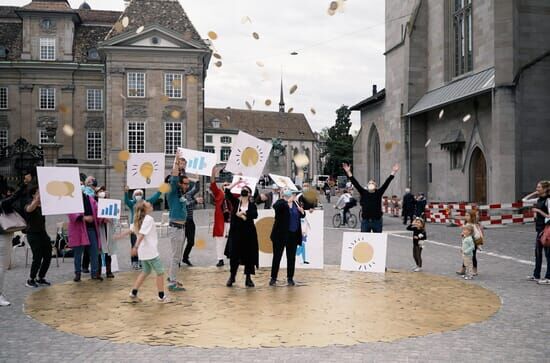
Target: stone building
(122, 81)
(465, 107)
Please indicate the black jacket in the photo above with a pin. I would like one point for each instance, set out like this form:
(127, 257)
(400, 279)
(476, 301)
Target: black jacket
(409, 204)
(371, 203)
(279, 233)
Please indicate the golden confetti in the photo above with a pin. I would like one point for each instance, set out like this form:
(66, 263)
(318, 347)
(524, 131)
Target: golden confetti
(119, 167)
(124, 155)
(311, 196)
(175, 114)
(246, 19)
(293, 89)
(68, 130)
(164, 99)
(427, 142)
(248, 105)
(333, 5)
(256, 35)
(217, 56)
(140, 29)
(331, 12)
(301, 160)
(63, 109)
(218, 64)
(467, 118)
(212, 35)
(125, 22)
(312, 110)
(192, 79)
(260, 63)
(176, 83)
(268, 102)
(118, 27)
(290, 110)
(200, 244)
(389, 146)
(441, 113)
(165, 188)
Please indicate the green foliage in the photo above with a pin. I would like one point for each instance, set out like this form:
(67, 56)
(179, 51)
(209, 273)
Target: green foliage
(339, 142)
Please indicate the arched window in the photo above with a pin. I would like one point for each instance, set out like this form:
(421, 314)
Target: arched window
(373, 155)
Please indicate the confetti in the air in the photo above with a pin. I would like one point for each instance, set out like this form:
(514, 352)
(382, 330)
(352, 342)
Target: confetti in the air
(293, 89)
(118, 27)
(467, 118)
(119, 167)
(218, 64)
(124, 155)
(164, 99)
(301, 160)
(63, 109)
(333, 5)
(212, 35)
(312, 110)
(175, 114)
(248, 105)
(176, 83)
(268, 102)
(217, 56)
(260, 64)
(140, 29)
(441, 113)
(200, 244)
(389, 145)
(256, 35)
(290, 110)
(68, 130)
(246, 19)
(427, 142)
(125, 22)
(164, 188)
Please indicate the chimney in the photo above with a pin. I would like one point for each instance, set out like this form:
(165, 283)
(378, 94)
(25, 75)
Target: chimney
(374, 89)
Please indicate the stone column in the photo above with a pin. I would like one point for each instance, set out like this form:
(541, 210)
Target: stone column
(192, 84)
(27, 123)
(115, 99)
(66, 108)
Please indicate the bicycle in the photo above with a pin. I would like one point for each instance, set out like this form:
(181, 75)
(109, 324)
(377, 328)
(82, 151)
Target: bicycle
(350, 218)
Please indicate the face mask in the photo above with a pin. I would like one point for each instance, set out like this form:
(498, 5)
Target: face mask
(244, 193)
(101, 195)
(371, 187)
(138, 198)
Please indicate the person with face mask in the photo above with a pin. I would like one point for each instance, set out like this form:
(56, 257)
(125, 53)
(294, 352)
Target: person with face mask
(137, 196)
(371, 199)
(242, 242)
(286, 234)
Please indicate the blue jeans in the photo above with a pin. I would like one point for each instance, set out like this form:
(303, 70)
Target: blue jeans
(371, 225)
(93, 252)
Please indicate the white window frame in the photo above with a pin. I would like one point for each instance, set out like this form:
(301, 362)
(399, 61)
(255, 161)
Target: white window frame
(132, 77)
(142, 129)
(225, 148)
(226, 140)
(43, 138)
(92, 136)
(208, 139)
(4, 98)
(169, 89)
(4, 137)
(44, 92)
(171, 134)
(93, 99)
(210, 149)
(47, 49)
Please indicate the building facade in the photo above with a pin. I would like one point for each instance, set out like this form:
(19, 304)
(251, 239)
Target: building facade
(465, 107)
(86, 84)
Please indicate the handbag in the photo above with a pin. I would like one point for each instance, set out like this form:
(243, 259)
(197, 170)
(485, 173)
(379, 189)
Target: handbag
(545, 236)
(11, 222)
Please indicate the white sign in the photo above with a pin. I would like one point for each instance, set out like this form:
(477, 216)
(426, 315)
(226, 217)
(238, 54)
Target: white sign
(248, 155)
(283, 182)
(365, 252)
(198, 162)
(59, 190)
(243, 181)
(108, 208)
(145, 170)
(312, 249)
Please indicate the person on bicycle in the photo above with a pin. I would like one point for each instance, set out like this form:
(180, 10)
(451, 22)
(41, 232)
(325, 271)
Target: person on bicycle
(345, 203)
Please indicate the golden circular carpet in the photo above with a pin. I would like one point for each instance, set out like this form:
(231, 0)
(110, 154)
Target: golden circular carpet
(327, 307)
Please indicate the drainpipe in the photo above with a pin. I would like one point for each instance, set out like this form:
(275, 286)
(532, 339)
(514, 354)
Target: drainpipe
(409, 171)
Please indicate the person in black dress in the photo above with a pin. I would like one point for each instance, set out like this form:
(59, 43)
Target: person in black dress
(242, 242)
(286, 233)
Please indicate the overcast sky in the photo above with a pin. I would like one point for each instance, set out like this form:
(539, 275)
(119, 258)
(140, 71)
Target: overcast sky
(339, 59)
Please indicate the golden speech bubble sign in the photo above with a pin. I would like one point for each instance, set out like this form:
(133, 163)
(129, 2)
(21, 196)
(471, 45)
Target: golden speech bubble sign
(60, 189)
(263, 230)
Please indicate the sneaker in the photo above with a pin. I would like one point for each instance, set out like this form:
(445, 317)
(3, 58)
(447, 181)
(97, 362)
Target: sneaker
(532, 278)
(31, 283)
(417, 269)
(43, 282)
(460, 273)
(165, 299)
(543, 282)
(291, 282)
(468, 278)
(135, 266)
(3, 301)
(187, 262)
(220, 263)
(175, 288)
(272, 282)
(132, 296)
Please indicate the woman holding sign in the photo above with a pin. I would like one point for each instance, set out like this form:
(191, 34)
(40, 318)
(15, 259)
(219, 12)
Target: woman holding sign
(242, 243)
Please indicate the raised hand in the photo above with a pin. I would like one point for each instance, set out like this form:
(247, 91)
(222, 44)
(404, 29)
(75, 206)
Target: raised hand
(347, 168)
(395, 169)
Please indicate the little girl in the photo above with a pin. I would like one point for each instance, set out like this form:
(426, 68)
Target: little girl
(468, 248)
(471, 219)
(146, 249)
(419, 236)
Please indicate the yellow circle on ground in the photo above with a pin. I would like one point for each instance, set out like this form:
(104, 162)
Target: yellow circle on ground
(124, 155)
(263, 230)
(250, 156)
(363, 252)
(330, 307)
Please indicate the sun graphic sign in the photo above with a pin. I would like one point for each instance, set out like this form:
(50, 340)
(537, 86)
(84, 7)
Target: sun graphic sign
(145, 170)
(283, 181)
(59, 190)
(248, 155)
(365, 252)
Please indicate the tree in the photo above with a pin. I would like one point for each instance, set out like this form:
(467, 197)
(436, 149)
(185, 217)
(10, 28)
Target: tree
(339, 142)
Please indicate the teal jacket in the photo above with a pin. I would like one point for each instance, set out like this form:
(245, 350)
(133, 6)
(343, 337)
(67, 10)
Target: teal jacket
(131, 203)
(468, 246)
(176, 202)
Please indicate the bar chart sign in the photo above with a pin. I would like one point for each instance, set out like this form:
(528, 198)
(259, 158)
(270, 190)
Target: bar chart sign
(198, 162)
(108, 208)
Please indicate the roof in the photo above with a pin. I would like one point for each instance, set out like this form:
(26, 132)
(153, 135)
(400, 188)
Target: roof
(262, 124)
(48, 5)
(8, 12)
(10, 37)
(455, 91)
(379, 96)
(454, 136)
(99, 16)
(85, 38)
(166, 13)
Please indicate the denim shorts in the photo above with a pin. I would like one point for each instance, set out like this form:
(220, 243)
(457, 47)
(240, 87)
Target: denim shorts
(152, 265)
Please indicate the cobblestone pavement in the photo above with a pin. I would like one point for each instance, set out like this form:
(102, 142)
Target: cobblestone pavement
(517, 333)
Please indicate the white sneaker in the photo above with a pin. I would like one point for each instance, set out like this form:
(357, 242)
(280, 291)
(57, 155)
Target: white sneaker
(468, 278)
(418, 269)
(3, 301)
(532, 278)
(543, 282)
(165, 299)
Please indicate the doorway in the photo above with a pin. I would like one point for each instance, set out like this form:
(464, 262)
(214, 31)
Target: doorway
(478, 177)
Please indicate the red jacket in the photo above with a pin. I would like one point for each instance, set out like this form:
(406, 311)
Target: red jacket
(78, 236)
(219, 196)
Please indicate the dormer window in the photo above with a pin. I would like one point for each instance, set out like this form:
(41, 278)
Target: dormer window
(93, 54)
(215, 123)
(47, 49)
(46, 24)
